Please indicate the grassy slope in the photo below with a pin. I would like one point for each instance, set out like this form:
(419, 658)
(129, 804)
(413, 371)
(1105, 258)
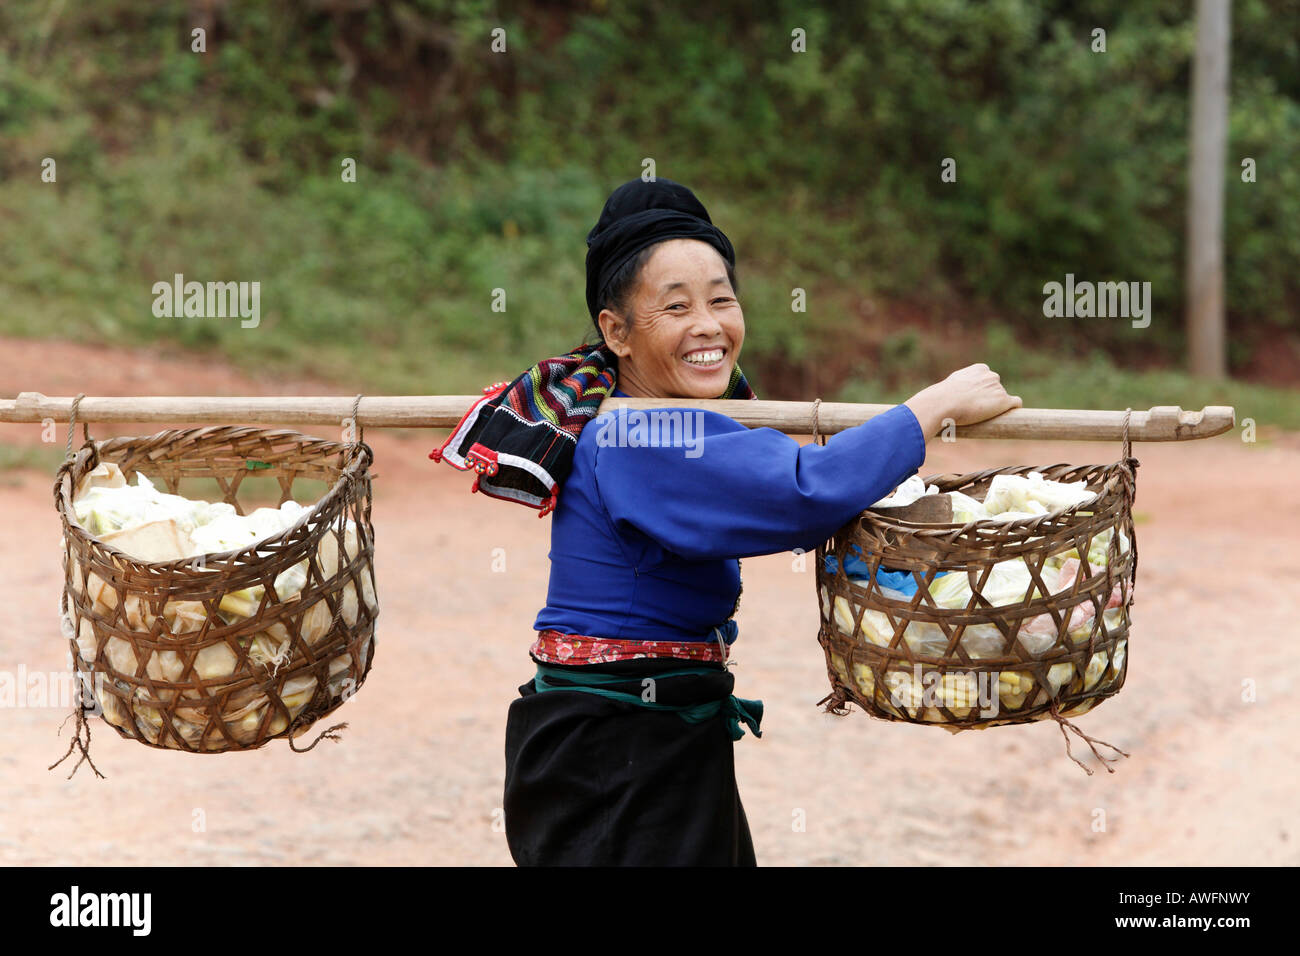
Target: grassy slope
(387, 284)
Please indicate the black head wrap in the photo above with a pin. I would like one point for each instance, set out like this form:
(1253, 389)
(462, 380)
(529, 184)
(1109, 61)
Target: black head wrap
(638, 214)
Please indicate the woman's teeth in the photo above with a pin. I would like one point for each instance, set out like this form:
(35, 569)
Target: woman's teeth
(712, 357)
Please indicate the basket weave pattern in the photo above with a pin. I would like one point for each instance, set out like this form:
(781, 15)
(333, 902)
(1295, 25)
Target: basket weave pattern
(985, 674)
(138, 630)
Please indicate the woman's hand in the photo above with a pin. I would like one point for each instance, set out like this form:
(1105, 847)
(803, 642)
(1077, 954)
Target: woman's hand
(971, 394)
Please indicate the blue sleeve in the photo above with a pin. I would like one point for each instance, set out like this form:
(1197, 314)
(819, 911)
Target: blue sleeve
(738, 492)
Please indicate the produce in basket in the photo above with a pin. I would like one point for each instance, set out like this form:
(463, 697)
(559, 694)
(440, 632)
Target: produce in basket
(1008, 498)
(1008, 583)
(1036, 611)
(152, 526)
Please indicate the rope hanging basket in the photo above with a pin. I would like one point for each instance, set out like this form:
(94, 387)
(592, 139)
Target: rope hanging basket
(202, 654)
(1054, 652)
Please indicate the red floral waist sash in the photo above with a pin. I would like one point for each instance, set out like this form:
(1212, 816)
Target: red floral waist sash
(554, 647)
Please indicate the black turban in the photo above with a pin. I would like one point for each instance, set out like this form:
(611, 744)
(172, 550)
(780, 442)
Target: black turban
(638, 214)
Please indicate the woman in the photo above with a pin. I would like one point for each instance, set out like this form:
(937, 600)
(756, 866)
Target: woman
(619, 749)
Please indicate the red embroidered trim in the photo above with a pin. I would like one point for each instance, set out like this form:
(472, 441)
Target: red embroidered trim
(489, 392)
(553, 647)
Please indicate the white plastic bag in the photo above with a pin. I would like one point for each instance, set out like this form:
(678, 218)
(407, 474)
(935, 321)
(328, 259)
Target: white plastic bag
(906, 493)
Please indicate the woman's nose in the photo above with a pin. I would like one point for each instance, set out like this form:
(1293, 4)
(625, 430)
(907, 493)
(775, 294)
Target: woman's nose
(706, 322)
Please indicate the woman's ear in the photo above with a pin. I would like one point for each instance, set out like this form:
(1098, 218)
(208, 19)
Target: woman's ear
(614, 329)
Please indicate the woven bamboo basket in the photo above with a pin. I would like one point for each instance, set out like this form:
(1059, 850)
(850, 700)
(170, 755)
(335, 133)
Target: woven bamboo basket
(141, 632)
(1055, 653)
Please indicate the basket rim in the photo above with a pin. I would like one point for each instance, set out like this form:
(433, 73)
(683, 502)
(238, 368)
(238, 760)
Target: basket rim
(1113, 473)
(359, 452)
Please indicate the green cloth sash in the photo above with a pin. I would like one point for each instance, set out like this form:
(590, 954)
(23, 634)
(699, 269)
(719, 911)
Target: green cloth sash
(737, 710)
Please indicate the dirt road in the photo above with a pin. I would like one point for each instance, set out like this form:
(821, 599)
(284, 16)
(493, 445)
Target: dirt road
(417, 778)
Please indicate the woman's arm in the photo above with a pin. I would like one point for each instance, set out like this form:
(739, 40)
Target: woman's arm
(742, 492)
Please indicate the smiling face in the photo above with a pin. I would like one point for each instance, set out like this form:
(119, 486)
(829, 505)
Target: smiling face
(686, 325)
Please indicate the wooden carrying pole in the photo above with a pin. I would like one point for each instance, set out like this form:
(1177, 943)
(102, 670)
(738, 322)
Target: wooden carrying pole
(1161, 423)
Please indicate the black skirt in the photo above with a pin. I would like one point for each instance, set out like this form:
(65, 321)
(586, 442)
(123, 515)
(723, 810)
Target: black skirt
(598, 782)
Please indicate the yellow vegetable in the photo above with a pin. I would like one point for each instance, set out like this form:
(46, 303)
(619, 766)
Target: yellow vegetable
(267, 652)
(1117, 664)
(215, 661)
(1058, 675)
(120, 656)
(957, 692)
(1013, 687)
(865, 680)
(1096, 667)
(242, 603)
(87, 642)
(184, 617)
(1080, 708)
(114, 710)
(904, 690)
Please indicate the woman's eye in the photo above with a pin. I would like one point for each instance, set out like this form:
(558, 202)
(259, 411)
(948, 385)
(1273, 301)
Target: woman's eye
(677, 305)
(723, 299)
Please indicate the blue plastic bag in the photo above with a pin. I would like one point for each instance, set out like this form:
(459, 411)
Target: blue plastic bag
(856, 568)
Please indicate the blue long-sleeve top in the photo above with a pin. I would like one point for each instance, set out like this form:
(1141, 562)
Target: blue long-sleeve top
(645, 540)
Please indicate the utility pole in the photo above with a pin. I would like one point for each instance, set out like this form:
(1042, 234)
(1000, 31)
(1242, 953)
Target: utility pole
(1206, 327)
